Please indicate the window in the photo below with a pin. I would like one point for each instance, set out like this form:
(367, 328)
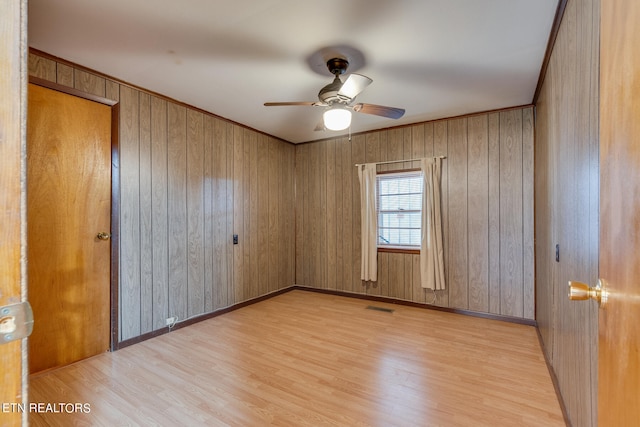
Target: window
(399, 206)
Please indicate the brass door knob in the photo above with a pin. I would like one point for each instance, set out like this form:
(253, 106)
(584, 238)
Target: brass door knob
(103, 236)
(579, 291)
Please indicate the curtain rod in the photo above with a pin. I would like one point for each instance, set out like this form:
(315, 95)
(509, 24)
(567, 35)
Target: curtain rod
(401, 161)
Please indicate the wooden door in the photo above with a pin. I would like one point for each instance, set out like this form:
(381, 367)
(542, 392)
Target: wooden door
(68, 204)
(619, 323)
(12, 37)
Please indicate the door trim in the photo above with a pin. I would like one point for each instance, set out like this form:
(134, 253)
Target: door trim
(115, 197)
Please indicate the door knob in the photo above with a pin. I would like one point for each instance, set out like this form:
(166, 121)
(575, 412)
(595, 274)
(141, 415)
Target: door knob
(103, 236)
(579, 291)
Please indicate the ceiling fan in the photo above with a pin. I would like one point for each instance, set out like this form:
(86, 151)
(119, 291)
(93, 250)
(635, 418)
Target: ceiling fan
(338, 99)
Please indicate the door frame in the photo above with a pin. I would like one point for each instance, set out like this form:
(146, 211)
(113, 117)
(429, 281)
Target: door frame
(115, 198)
(13, 98)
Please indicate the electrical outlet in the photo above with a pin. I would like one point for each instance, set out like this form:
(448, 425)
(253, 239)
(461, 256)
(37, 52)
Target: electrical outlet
(171, 320)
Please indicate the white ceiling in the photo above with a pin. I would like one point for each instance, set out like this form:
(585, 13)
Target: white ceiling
(434, 58)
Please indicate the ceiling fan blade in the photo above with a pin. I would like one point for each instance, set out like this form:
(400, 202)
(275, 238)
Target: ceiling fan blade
(283, 104)
(379, 110)
(354, 84)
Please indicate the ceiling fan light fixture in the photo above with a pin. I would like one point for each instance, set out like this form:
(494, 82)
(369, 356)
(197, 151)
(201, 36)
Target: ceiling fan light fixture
(337, 118)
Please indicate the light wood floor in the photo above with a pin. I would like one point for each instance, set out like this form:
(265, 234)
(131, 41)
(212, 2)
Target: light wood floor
(310, 359)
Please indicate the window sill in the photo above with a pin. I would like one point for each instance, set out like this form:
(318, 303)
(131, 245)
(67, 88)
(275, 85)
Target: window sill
(398, 250)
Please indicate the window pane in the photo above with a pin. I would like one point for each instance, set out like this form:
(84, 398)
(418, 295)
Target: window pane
(399, 202)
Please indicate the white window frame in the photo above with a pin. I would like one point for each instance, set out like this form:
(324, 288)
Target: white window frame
(417, 211)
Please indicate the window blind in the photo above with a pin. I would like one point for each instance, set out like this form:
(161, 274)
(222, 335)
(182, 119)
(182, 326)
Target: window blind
(399, 205)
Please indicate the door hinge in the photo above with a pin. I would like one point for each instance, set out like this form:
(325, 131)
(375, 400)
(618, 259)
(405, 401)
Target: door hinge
(16, 322)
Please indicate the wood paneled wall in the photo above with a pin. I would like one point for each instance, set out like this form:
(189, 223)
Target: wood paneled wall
(487, 195)
(566, 185)
(188, 182)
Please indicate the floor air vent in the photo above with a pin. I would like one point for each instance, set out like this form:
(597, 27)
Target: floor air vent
(386, 310)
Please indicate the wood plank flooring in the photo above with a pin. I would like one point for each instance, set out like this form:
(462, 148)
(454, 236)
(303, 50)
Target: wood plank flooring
(309, 359)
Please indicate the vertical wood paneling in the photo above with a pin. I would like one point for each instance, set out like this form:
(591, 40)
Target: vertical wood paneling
(339, 211)
(528, 214)
(420, 294)
(383, 137)
(211, 221)
(429, 139)
(395, 144)
(494, 212)
(357, 156)
(347, 206)
(177, 209)
(563, 204)
(146, 229)
(238, 193)
(372, 147)
(65, 75)
(458, 208)
(478, 215)
(274, 217)
(441, 148)
(289, 208)
(331, 195)
(189, 181)
(511, 243)
(159, 213)
(112, 90)
(314, 213)
(227, 132)
(246, 285)
(381, 287)
(408, 277)
(396, 276)
(407, 147)
(322, 213)
(311, 215)
(372, 154)
(43, 68)
(566, 207)
(195, 213)
(306, 208)
(300, 171)
(238, 216)
(279, 200)
(130, 263)
(471, 209)
(262, 223)
(253, 287)
(418, 143)
(221, 232)
(89, 83)
(544, 178)
(244, 292)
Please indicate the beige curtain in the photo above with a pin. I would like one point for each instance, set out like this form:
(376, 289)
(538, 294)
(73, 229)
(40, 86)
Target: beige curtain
(369, 222)
(431, 249)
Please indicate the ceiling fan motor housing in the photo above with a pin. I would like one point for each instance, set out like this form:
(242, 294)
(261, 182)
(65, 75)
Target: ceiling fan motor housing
(337, 66)
(329, 93)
